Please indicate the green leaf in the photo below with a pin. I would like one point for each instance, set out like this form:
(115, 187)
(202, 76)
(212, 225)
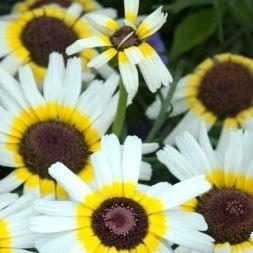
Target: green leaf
(180, 5)
(193, 30)
(242, 11)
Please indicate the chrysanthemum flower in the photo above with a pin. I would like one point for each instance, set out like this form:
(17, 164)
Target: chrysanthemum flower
(15, 217)
(63, 124)
(228, 206)
(26, 5)
(116, 216)
(128, 42)
(30, 37)
(219, 90)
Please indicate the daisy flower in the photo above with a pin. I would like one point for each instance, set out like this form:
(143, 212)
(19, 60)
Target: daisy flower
(220, 90)
(128, 43)
(228, 206)
(26, 5)
(15, 217)
(64, 124)
(116, 216)
(30, 37)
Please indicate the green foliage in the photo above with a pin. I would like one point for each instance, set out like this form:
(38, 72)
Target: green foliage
(193, 30)
(180, 5)
(242, 11)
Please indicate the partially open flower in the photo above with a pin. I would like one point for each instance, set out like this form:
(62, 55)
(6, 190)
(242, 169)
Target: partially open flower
(128, 43)
(116, 215)
(228, 206)
(219, 90)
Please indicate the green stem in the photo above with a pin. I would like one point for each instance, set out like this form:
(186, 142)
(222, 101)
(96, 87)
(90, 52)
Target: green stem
(121, 111)
(165, 104)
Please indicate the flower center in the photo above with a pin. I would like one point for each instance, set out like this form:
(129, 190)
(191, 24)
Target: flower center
(227, 89)
(125, 37)
(40, 3)
(228, 213)
(44, 35)
(120, 222)
(48, 142)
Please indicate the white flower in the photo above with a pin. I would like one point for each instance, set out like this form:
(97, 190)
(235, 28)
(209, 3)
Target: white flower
(62, 124)
(116, 214)
(15, 217)
(218, 91)
(128, 42)
(228, 206)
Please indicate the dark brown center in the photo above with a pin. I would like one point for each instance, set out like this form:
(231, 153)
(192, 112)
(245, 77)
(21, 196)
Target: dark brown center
(121, 223)
(40, 3)
(227, 89)
(125, 37)
(48, 142)
(228, 213)
(44, 35)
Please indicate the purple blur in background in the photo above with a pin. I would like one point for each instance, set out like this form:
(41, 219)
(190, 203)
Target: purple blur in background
(156, 41)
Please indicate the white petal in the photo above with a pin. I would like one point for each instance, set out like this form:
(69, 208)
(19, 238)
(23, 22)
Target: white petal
(148, 148)
(105, 120)
(62, 243)
(105, 22)
(53, 83)
(102, 58)
(191, 220)
(94, 102)
(179, 193)
(24, 241)
(193, 153)
(176, 163)
(184, 191)
(111, 143)
(10, 182)
(12, 87)
(6, 199)
(190, 238)
(131, 10)
(207, 147)
(23, 202)
(134, 54)
(91, 42)
(152, 23)
(146, 171)
(75, 187)
(55, 208)
(233, 158)
(52, 224)
(131, 159)
(190, 123)
(11, 63)
(128, 73)
(29, 87)
(102, 168)
(72, 83)
(75, 10)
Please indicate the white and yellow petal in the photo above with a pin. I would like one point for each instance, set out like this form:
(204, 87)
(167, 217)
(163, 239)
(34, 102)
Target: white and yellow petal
(91, 42)
(128, 73)
(131, 10)
(152, 23)
(102, 58)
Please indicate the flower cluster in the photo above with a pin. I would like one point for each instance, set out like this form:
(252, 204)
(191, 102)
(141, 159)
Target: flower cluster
(76, 181)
